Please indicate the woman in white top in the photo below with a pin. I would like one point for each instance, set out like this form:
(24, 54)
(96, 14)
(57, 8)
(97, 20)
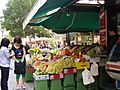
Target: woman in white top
(4, 63)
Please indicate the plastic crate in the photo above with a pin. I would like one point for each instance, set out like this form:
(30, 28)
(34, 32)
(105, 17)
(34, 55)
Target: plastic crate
(56, 84)
(69, 80)
(69, 88)
(29, 77)
(41, 84)
(78, 75)
(81, 86)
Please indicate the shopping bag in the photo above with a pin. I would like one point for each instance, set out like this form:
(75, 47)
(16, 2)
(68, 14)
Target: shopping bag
(94, 69)
(87, 77)
(20, 68)
(12, 64)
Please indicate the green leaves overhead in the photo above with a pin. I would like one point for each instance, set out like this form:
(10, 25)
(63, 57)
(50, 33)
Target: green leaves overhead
(14, 16)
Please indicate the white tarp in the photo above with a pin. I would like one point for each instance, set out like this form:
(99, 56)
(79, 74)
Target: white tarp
(91, 1)
(33, 11)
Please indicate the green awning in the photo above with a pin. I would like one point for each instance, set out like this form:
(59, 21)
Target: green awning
(63, 22)
(42, 7)
(51, 5)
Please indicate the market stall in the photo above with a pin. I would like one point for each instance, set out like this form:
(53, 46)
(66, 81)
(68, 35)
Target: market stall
(59, 67)
(76, 20)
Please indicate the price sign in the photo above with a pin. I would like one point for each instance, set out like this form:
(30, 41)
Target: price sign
(40, 77)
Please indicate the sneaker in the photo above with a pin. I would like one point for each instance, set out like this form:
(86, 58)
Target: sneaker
(23, 86)
(17, 86)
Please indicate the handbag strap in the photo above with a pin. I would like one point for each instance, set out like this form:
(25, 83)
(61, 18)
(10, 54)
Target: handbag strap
(112, 50)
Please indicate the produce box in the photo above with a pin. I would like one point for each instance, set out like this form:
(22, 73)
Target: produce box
(82, 65)
(56, 76)
(70, 71)
(56, 84)
(78, 76)
(69, 88)
(41, 84)
(55, 81)
(40, 77)
(29, 77)
(69, 80)
(30, 69)
(81, 86)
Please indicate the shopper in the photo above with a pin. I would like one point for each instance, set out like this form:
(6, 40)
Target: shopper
(20, 63)
(113, 37)
(114, 55)
(27, 47)
(4, 63)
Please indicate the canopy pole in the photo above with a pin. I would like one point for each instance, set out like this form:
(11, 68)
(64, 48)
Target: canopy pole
(76, 38)
(68, 39)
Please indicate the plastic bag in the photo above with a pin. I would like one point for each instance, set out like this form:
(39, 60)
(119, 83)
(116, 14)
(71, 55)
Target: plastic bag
(12, 64)
(87, 77)
(94, 69)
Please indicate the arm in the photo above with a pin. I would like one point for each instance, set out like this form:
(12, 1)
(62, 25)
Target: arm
(13, 57)
(24, 53)
(7, 53)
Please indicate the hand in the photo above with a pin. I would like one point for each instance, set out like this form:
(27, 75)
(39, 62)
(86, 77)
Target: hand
(12, 55)
(22, 60)
(17, 61)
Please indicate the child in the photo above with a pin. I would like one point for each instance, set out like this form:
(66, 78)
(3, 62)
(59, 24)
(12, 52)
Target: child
(20, 64)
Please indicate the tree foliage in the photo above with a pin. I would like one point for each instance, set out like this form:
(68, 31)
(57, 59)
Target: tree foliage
(14, 16)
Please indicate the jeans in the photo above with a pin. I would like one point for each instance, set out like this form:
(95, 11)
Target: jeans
(4, 78)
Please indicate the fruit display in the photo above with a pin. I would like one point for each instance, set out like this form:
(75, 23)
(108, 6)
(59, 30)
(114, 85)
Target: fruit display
(56, 60)
(68, 62)
(55, 67)
(34, 51)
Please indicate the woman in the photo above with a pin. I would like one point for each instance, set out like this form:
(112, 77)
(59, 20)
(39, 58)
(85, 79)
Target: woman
(20, 64)
(4, 63)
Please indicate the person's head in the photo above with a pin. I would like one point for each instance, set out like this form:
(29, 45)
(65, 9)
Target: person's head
(5, 42)
(17, 41)
(112, 31)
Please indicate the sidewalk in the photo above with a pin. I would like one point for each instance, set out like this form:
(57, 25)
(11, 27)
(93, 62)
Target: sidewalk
(12, 83)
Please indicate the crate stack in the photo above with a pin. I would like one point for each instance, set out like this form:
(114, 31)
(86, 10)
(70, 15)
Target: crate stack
(29, 74)
(41, 82)
(56, 82)
(79, 81)
(69, 79)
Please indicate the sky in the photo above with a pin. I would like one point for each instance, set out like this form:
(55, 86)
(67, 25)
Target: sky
(2, 6)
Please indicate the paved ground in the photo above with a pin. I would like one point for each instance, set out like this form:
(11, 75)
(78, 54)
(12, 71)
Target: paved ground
(12, 83)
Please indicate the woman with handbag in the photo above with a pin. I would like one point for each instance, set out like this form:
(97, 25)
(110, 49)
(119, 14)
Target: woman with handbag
(20, 63)
(4, 63)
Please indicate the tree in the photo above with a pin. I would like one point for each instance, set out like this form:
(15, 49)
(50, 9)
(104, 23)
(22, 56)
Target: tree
(14, 16)
(38, 31)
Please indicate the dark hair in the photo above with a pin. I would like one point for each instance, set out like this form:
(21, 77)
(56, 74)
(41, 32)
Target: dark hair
(5, 42)
(113, 28)
(17, 40)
